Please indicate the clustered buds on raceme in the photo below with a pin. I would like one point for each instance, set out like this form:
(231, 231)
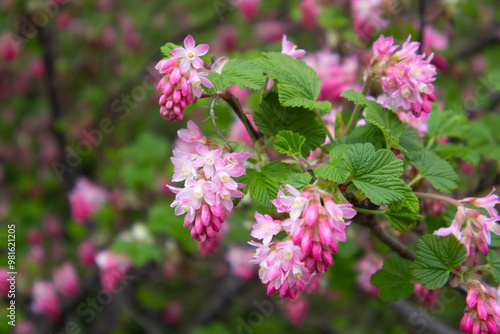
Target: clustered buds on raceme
(66, 280)
(45, 300)
(406, 77)
(315, 226)
(482, 313)
(209, 188)
(472, 227)
(85, 199)
(181, 82)
(112, 268)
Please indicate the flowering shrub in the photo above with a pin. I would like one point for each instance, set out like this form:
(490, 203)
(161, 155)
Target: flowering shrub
(311, 158)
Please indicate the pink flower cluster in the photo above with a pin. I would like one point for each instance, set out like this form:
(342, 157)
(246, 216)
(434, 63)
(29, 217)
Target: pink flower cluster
(366, 267)
(472, 227)
(309, 12)
(113, 269)
(66, 280)
(181, 82)
(45, 300)
(209, 188)
(406, 77)
(85, 199)
(368, 16)
(337, 74)
(482, 313)
(315, 226)
(248, 8)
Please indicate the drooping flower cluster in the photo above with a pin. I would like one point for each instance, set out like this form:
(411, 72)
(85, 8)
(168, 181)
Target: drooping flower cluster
(66, 280)
(315, 226)
(428, 297)
(406, 77)
(472, 227)
(112, 269)
(45, 300)
(366, 267)
(337, 74)
(209, 188)
(482, 313)
(85, 199)
(181, 81)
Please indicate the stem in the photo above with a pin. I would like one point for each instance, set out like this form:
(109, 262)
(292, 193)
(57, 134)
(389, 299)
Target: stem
(372, 212)
(357, 109)
(421, 9)
(316, 111)
(212, 115)
(415, 180)
(430, 142)
(236, 106)
(438, 197)
(302, 166)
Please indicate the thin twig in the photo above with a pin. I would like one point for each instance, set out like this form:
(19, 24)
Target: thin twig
(357, 110)
(328, 133)
(212, 115)
(421, 31)
(236, 106)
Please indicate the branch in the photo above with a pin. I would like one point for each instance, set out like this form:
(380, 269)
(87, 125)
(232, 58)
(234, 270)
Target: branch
(421, 14)
(212, 115)
(235, 105)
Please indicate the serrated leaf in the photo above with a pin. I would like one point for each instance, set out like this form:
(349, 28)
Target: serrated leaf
(288, 142)
(450, 150)
(387, 121)
(394, 280)
(297, 180)
(336, 170)
(436, 256)
(368, 133)
(240, 72)
(447, 124)
(438, 171)
(410, 140)
(277, 170)
(405, 212)
(272, 118)
(263, 186)
(376, 173)
(298, 84)
(167, 49)
(353, 96)
(494, 261)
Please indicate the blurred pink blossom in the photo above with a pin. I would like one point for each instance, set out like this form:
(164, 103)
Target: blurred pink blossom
(248, 8)
(113, 269)
(86, 253)
(366, 267)
(309, 13)
(238, 258)
(85, 199)
(45, 300)
(173, 312)
(66, 280)
(297, 309)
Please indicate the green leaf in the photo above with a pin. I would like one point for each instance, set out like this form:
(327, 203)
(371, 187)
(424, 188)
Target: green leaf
(394, 280)
(436, 256)
(298, 180)
(447, 124)
(353, 96)
(405, 212)
(438, 171)
(263, 186)
(167, 49)
(298, 84)
(336, 170)
(450, 150)
(410, 140)
(494, 262)
(272, 118)
(139, 252)
(376, 173)
(240, 72)
(288, 142)
(368, 133)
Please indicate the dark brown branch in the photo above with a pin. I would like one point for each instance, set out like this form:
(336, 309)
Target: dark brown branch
(421, 14)
(370, 221)
(235, 105)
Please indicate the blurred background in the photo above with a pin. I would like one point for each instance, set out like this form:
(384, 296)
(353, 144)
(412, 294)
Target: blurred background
(85, 156)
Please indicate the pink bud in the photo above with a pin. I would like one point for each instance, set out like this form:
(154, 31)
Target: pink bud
(163, 99)
(198, 225)
(471, 299)
(481, 309)
(275, 271)
(327, 257)
(210, 231)
(306, 243)
(325, 232)
(169, 104)
(175, 76)
(297, 237)
(311, 214)
(205, 215)
(167, 89)
(316, 251)
(176, 96)
(466, 323)
(161, 83)
(492, 325)
(270, 289)
(184, 86)
(426, 106)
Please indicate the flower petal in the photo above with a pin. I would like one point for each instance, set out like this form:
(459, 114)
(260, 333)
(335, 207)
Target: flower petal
(197, 63)
(189, 42)
(201, 49)
(179, 52)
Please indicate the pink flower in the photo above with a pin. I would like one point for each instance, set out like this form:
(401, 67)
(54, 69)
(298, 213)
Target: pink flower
(433, 39)
(196, 79)
(86, 253)
(239, 260)
(45, 300)
(418, 123)
(248, 8)
(309, 11)
(290, 49)
(426, 296)
(113, 269)
(173, 312)
(190, 54)
(192, 134)
(85, 199)
(368, 16)
(281, 268)
(482, 313)
(9, 47)
(383, 48)
(66, 280)
(297, 309)
(265, 228)
(207, 159)
(489, 202)
(366, 267)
